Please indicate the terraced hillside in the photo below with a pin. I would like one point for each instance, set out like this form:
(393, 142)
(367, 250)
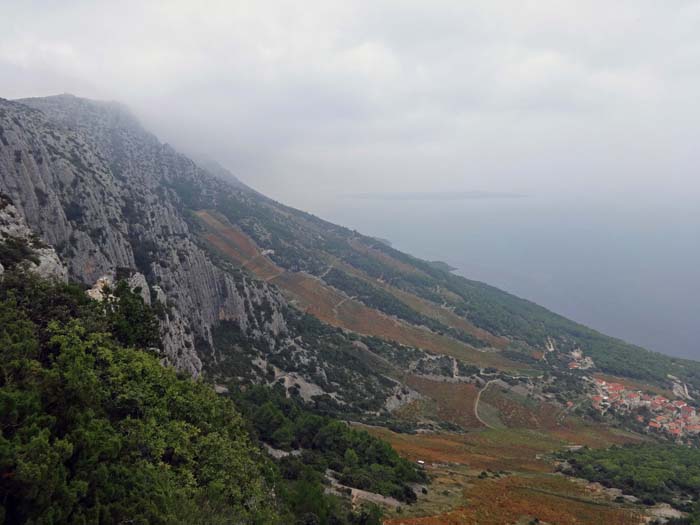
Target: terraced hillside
(345, 278)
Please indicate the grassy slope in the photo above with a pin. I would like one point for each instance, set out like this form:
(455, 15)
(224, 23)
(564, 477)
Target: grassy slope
(332, 306)
(403, 286)
(501, 476)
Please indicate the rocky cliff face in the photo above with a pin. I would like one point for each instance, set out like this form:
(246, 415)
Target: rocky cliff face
(100, 189)
(43, 259)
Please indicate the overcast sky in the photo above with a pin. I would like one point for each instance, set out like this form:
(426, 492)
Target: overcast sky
(539, 97)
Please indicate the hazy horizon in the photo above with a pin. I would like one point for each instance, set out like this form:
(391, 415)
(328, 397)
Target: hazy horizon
(617, 271)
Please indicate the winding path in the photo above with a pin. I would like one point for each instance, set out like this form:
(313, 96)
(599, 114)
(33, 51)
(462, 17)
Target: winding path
(343, 300)
(476, 404)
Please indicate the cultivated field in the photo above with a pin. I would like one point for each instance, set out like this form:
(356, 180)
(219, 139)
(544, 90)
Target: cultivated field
(509, 499)
(332, 306)
(453, 402)
(498, 477)
(232, 243)
(426, 308)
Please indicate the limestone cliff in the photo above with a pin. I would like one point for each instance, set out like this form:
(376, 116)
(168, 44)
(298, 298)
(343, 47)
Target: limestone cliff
(94, 184)
(117, 203)
(43, 259)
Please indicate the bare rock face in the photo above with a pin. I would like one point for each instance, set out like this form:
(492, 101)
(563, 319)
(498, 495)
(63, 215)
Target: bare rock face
(44, 260)
(137, 282)
(116, 203)
(50, 264)
(99, 290)
(93, 183)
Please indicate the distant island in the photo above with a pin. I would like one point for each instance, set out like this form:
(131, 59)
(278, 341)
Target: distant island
(386, 242)
(441, 265)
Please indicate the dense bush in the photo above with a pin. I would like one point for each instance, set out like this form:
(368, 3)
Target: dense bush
(94, 432)
(652, 472)
(13, 251)
(362, 461)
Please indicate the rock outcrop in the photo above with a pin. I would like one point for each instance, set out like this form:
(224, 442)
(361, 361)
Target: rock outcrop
(43, 259)
(118, 204)
(94, 184)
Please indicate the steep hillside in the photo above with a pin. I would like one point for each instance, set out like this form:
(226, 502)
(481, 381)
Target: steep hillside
(106, 194)
(477, 384)
(93, 429)
(243, 277)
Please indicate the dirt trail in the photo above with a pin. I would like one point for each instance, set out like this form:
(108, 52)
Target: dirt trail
(274, 276)
(476, 404)
(326, 272)
(335, 308)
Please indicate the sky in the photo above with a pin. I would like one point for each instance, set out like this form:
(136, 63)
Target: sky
(569, 99)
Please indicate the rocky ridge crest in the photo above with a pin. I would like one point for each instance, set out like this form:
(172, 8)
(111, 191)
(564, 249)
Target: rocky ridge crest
(93, 183)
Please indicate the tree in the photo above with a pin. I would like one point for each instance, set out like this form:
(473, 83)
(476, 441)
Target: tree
(93, 432)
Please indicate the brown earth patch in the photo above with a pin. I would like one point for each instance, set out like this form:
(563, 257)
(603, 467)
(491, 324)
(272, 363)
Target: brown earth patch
(455, 401)
(519, 412)
(236, 245)
(594, 436)
(336, 309)
(447, 317)
(498, 450)
(245, 247)
(384, 258)
(519, 499)
(311, 295)
(425, 307)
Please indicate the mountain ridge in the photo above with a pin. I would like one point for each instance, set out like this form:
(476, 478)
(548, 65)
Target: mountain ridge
(302, 322)
(109, 195)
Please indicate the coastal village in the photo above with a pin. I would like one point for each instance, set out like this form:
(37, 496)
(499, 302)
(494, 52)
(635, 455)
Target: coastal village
(675, 418)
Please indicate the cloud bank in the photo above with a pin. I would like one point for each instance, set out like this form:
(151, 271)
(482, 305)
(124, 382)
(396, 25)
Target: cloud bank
(546, 97)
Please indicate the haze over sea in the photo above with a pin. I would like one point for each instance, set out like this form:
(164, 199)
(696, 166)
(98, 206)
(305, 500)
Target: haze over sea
(626, 268)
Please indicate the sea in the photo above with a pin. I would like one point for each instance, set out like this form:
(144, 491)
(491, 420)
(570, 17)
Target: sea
(628, 269)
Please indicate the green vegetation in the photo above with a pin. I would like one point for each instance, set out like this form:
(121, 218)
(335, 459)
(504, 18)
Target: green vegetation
(504, 314)
(95, 432)
(302, 242)
(340, 368)
(14, 251)
(361, 461)
(387, 303)
(652, 472)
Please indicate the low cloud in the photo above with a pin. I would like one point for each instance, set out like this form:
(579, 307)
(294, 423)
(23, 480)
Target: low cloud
(569, 97)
